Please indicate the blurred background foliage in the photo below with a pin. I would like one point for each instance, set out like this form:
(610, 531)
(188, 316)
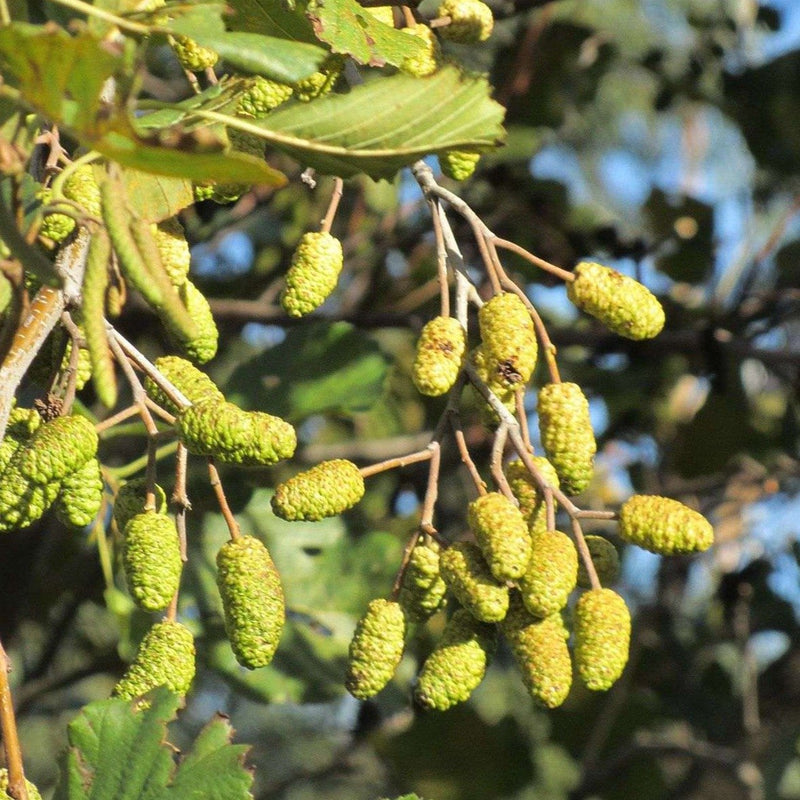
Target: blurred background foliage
(659, 136)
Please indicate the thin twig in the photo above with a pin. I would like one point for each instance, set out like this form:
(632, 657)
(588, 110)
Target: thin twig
(564, 274)
(8, 726)
(397, 461)
(496, 462)
(431, 490)
(441, 259)
(466, 458)
(336, 196)
(219, 491)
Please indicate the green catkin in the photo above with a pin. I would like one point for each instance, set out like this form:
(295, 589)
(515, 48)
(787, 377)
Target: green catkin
(566, 431)
(173, 248)
(664, 526)
(252, 600)
(81, 496)
(131, 499)
(508, 339)
(526, 490)
(376, 648)
(539, 645)
(195, 385)
(325, 490)
(458, 164)
(95, 282)
(55, 227)
(201, 347)
(193, 56)
(469, 578)
(439, 356)
(621, 303)
(457, 664)
(166, 657)
(319, 83)
(57, 449)
(423, 590)
(489, 372)
(313, 273)
(605, 559)
(23, 502)
(151, 556)
(233, 436)
(81, 187)
(471, 21)
(602, 632)
(551, 575)
(427, 61)
(33, 792)
(262, 96)
(502, 535)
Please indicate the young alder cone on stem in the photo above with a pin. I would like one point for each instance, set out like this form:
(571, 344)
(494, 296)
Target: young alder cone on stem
(322, 491)
(664, 526)
(471, 21)
(165, 658)
(33, 792)
(539, 645)
(423, 590)
(508, 339)
(313, 273)
(131, 498)
(602, 628)
(458, 165)
(376, 648)
(252, 600)
(440, 354)
(469, 578)
(502, 535)
(551, 575)
(427, 61)
(526, 490)
(621, 303)
(605, 559)
(195, 385)
(457, 664)
(81, 495)
(567, 435)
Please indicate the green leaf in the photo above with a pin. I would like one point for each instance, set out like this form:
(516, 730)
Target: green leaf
(272, 19)
(318, 367)
(118, 751)
(276, 58)
(348, 28)
(154, 197)
(383, 125)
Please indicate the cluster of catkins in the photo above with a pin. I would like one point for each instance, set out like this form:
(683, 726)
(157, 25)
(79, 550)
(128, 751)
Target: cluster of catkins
(249, 585)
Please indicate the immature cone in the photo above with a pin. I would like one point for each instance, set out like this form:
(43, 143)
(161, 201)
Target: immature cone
(33, 792)
(459, 164)
(426, 62)
(490, 373)
(195, 385)
(57, 449)
(262, 96)
(457, 664)
(319, 83)
(131, 499)
(567, 436)
(440, 353)
(602, 632)
(313, 273)
(605, 559)
(526, 490)
(252, 600)
(173, 248)
(223, 430)
(469, 578)
(325, 490)
(81, 187)
(423, 590)
(193, 56)
(165, 658)
(551, 575)
(55, 227)
(81, 495)
(621, 303)
(540, 649)
(202, 347)
(376, 648)
(502, 535)
(471, 21)
(664, 526)
(151, 556)
(508, 339)
(22, 501)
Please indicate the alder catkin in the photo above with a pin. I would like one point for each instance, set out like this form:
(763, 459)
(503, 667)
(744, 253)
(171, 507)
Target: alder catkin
(252, 600)
(439, 356)
(621, 303)
(427, 61)
(376, 648)
(58, 448)
(262, 96)
(173, 248)
(502, 535)
(81, 495)
(81, 187)
(539, 645)
(166, 657)
(471, 21)
(325, 490)
(423, 590)
(605, 559)
(602, 633)
(458, 164)
(195, 385)
(664, 526)
(193, 56)
(313, 273)
(131, 498)
(469, 578)
(508, 339)
(526, 490)
(551, 574)
(457, 664)
(201, 346)
(151, 556)
(566, 431)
